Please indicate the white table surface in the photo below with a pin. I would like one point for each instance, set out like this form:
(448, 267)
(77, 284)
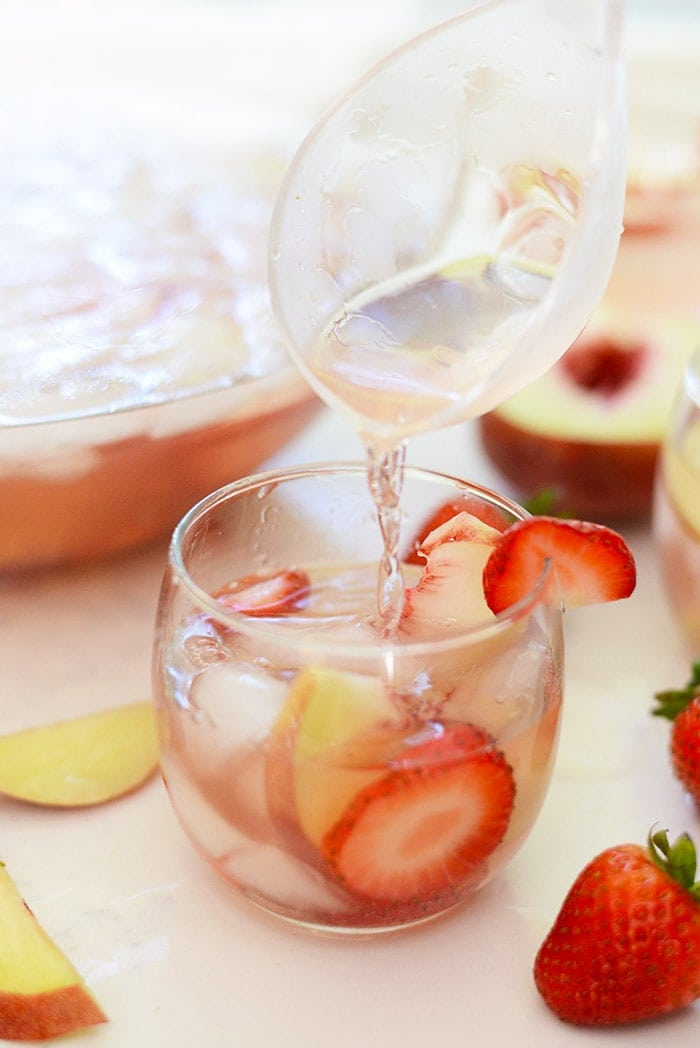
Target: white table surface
(174, 958)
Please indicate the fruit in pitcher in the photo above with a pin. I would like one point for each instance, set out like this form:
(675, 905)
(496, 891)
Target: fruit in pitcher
(84, 761)
(591, 563)
(449, 593)
(591, 427)
(41, 993)
(323, 747)
(682, 707)
(625, 945)
(423, 830)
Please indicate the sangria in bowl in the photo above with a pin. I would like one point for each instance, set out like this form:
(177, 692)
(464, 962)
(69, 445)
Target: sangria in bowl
(340, 775)
(140, 364)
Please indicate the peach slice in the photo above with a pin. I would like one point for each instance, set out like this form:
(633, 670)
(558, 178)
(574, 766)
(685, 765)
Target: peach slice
(449, 595)
(41, 993)
(591, 427)
(448, 600)
(75, 763)
(315, 762)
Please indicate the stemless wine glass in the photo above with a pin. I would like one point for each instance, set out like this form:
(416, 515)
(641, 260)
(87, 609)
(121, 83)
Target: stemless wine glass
(676, 512)
(337, 778)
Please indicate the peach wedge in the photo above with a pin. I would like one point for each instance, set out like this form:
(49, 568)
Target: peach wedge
(80, 762)
(311, 776)
(41, 993)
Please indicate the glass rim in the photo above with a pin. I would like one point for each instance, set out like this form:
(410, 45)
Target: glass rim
(277, 632)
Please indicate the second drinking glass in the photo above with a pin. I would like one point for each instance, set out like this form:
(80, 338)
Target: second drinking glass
(676, 516)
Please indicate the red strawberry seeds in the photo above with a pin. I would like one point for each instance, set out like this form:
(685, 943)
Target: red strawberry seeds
(626, 943)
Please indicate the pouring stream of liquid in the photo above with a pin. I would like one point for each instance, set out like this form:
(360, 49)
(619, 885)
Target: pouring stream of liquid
(385, 468)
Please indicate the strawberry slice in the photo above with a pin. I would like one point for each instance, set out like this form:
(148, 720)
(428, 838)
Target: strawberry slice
(592, 563)
(267, 595)
(424, 828)
(484, 511)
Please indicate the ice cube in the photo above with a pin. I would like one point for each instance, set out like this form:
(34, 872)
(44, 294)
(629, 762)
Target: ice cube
(221, 737)
(506, 693)
(232, 705)
(237, 790)
(270, 872)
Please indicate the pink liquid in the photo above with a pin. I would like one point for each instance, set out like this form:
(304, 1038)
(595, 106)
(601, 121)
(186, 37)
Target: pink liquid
(71, 518)
(242, 787)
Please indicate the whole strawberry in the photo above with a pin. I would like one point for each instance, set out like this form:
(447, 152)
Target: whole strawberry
(682, 707)
(626, 943)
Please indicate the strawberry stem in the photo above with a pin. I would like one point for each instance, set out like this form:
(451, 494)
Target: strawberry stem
(678, 860)
(674, 700)
(546, 503)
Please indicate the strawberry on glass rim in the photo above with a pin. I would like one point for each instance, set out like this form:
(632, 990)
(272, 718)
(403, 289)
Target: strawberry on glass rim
(592, 564)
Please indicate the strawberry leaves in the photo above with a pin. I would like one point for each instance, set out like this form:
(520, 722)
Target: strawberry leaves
(678, 860)
(674, 700)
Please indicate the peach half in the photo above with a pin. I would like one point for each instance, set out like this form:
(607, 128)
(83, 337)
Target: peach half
(590, 428)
